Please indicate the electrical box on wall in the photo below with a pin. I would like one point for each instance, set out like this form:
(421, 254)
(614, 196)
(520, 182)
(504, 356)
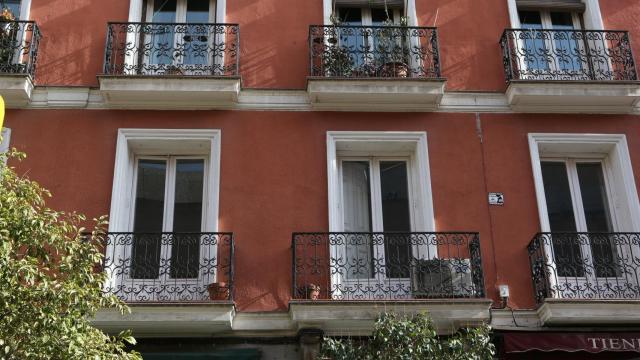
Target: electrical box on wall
(504, 291)
(496, 198)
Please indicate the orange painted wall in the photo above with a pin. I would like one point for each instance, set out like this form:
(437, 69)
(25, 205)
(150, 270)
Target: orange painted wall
(273, 178)
(273, 175)
(274, 44)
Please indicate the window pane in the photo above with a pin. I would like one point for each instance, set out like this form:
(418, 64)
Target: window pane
(598, 218)
(356, 195)
(557, 192)
(13, 6)
(196, 37)
(164, 11)
(148, 218)
(562, 20)
(394, 189)
(198, 11)
(534, 49)
(379, 16)
(187, 218)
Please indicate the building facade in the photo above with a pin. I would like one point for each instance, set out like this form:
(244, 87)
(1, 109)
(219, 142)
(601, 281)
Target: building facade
(478, 160)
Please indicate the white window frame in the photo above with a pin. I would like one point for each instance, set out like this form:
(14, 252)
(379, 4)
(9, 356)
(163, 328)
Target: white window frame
(612, 149)
(410, 11)
(409, 146)
(135, 143)
(136, 8)
(591, 16)
(6, 140)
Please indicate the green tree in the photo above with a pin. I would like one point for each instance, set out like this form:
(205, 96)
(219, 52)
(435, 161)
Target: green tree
(49, 286)
(411, 338)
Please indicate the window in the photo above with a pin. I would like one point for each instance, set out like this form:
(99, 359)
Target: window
(165, 192)
(378, 182)
(577, 201)
(375, 194)
(168, 198)
(586, 193)
(186, 48)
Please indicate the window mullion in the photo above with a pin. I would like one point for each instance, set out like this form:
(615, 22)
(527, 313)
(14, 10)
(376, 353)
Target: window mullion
(576, 196)
(170, 190)
(376, 196)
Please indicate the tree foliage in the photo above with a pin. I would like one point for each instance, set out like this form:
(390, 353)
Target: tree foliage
(411, 338)
(49, 286)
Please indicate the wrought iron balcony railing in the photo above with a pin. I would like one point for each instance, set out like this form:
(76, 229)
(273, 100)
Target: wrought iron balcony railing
(585, 265)
(169, 267)
(581, 55)
(172, 49)
(386, 266)
(18, 47)
(374, 51)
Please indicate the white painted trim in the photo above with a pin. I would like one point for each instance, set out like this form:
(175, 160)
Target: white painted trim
(121, 202)
(327, 8)
(514, 18)
(25, 9)
(57, 97)
(423, 200)
(592, 15)
(625, 195)
(135, 11)
(5, 140)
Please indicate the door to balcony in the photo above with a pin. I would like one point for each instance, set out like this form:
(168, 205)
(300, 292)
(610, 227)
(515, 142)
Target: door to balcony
(179, 37)
(166, 251)
(588, 259)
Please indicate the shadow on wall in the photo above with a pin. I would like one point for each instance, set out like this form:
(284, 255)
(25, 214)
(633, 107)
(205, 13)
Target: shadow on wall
(73, 37)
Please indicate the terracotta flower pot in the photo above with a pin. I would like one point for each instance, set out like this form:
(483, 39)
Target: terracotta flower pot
(395, 69)
(218, 291)
(313, 292)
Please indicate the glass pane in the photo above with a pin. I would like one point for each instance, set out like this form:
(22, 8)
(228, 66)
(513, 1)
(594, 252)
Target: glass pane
(162, 36)
(148, 219)
(534, 49)
(598, 217)
(566, 48)
(187, 218)
(379, 16)
(198, 11)
(394, 189)
(356, 198)
(352, 39)
(557, 192)
(196, 38)
(13, 6)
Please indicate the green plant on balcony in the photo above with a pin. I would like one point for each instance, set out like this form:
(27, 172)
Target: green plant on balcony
(392, 48)
(8, 36)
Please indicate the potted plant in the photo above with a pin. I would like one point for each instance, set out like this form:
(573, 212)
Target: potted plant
(393, 49)
(312, 291)
(218, 291)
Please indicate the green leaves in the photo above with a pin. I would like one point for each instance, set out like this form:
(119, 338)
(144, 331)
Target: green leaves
(48, 286)
(398, 337)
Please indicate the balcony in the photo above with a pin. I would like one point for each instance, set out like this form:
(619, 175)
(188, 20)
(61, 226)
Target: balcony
(570, 71)
(171, 281)
(374, 68)
(344, 280)
(176, 65)
(18, 52)
(586, 278)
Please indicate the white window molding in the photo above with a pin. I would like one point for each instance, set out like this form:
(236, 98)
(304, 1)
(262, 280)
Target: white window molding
(135, 142)
(25, 9)
(136, 6)
(410, 5)
(591, 16)
(610, 147)
(369, 143)
(6, 138)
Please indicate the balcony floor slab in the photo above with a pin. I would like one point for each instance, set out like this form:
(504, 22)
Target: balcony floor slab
(564, 312)
(169, 320)
(16, 90)
(573, 96)
(358, 317)
(375, 94)
(169, 92)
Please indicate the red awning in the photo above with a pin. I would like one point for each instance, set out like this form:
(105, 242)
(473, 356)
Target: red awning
(589, 342)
